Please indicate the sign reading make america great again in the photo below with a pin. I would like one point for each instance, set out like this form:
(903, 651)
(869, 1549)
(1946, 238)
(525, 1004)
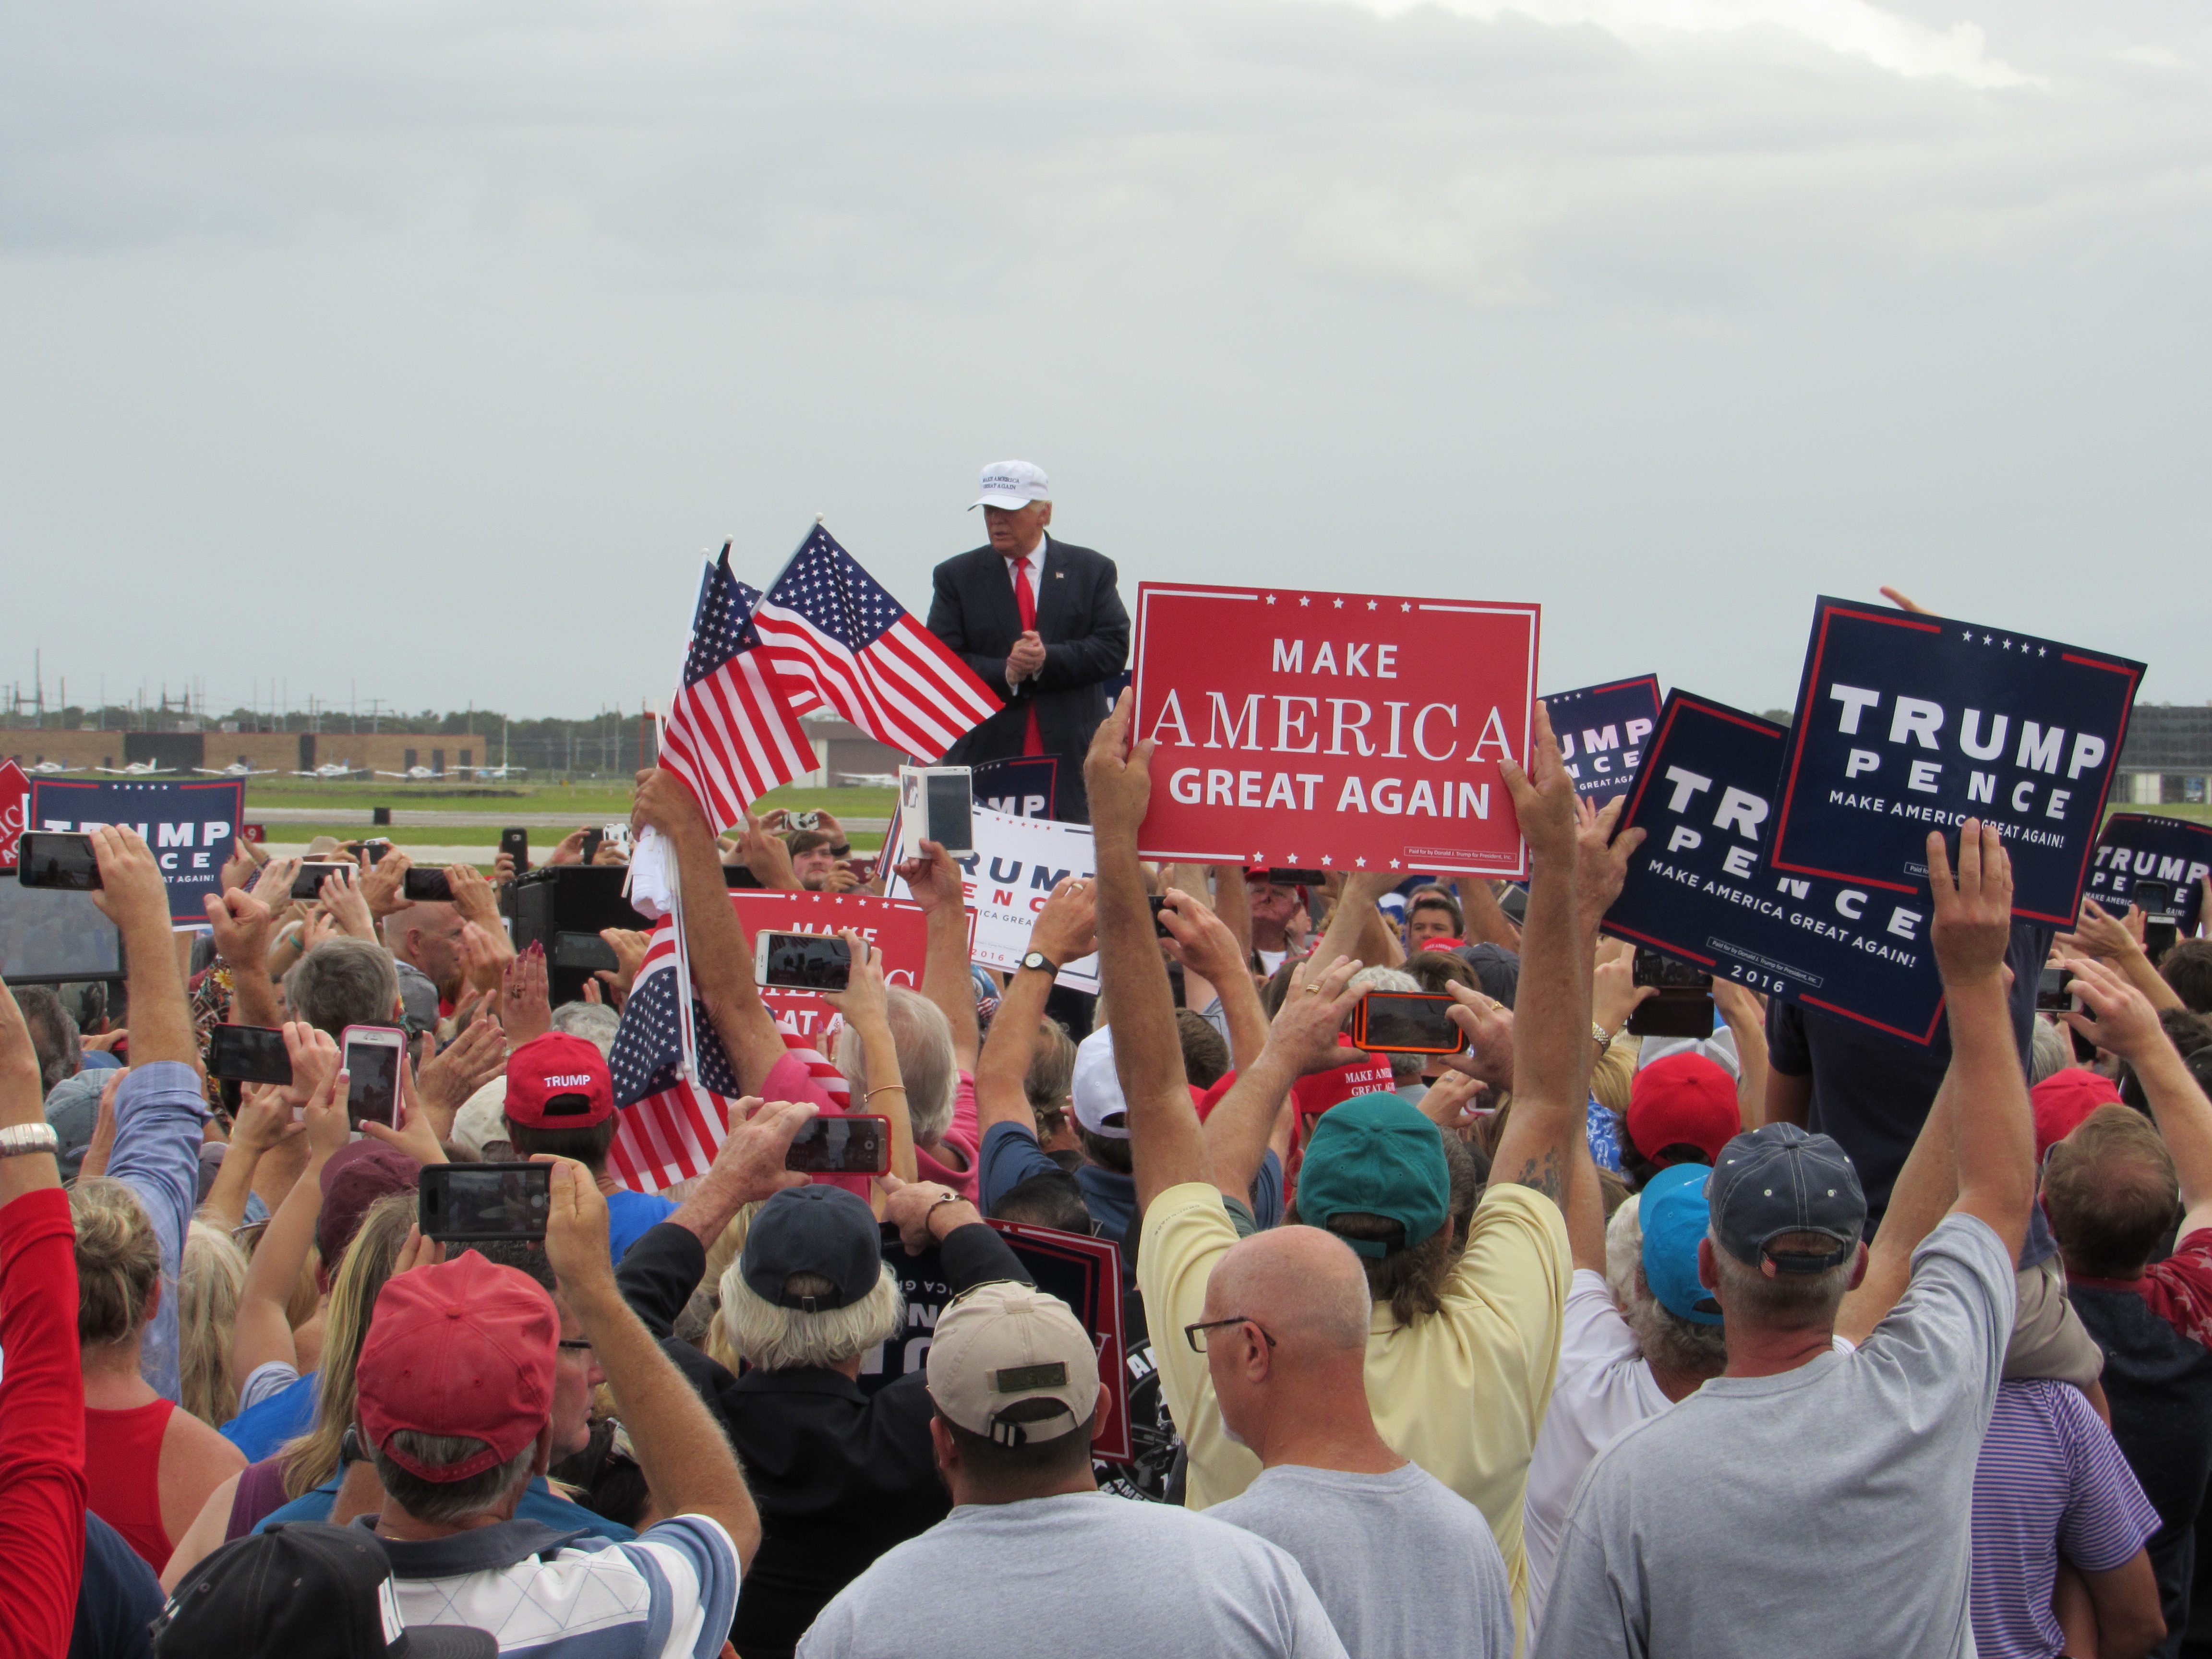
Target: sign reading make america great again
(1908, 723)
(1334, 731)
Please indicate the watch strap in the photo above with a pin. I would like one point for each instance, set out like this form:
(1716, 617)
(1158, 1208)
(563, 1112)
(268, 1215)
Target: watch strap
(1042, 964)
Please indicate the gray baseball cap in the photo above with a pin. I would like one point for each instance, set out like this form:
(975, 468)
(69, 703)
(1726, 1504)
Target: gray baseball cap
(1778, 1179)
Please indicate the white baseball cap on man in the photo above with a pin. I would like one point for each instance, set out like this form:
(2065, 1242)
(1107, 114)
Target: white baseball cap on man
(1012, 484)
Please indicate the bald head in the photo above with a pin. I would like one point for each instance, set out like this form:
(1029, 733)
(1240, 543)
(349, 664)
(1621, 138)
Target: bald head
(1305, 1286)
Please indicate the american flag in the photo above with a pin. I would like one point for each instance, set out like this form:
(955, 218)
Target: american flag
(668, 1129)
(732, 733)
(835, 637)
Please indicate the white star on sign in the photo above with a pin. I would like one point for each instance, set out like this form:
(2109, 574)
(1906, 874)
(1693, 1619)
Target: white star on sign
(1362, 863)
(1985, 639)
(1303, 600)
(1326, 860)
(1259, 858)
(2008, 644)
(1339, 603)
(1271, 598)
(2042, 651)
(1407, 606)
(1370, 604)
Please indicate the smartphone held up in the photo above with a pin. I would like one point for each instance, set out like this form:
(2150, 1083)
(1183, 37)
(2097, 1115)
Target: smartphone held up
(373, 1055)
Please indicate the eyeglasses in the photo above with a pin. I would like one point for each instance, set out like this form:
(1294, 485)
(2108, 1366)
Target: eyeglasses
(1196, 1335)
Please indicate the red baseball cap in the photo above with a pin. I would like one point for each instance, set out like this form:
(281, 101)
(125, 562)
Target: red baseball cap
(2062, 1100)
(1684, 1100)
(559, 1082)
(465, 1348)
(354, 1178)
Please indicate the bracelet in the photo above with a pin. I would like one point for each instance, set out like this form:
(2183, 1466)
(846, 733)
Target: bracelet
(941, 1200)
(888, 1088)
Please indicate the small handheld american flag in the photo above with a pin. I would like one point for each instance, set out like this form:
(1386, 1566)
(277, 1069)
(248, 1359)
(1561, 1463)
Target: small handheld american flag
(732, 733)
(833, 636)
(669, 1128)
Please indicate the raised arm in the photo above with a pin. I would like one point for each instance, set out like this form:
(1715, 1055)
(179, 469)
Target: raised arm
(1303, 1040)
(1063, 931)
(1166, 1146)
(1552, 1048)
(935, 880)
(1349, 923)
(1486, 923)
(242, 926)
(262, 1334)
(1203, 943)
(680, 1448)
(1995, 1128)
(2121, 1020)
(161, 1114)
(2111, 940)
(42, 1484)
(866, 1010)
(721, 959)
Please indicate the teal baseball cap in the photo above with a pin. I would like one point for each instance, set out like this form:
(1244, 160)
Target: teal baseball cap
(1376, 1155)
(1674, 1215)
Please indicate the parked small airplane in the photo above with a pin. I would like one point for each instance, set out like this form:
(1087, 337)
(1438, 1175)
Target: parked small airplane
(137, 770)
(235, 770)
(329, 769)
(492, 771)
(54, 770)
(420, 774)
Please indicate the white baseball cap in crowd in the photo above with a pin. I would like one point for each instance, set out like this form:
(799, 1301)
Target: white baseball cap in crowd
(1094, 1092)
(1012, 484)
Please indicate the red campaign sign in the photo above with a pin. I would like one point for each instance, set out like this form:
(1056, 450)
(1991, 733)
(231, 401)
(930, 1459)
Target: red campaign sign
(15, 807)
(258, 832)
(1334, 731)
(896, 927)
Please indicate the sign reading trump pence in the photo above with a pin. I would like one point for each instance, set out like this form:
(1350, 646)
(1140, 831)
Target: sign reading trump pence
(1908, 723)
(1334, 731)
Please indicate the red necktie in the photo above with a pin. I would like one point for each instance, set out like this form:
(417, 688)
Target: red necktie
(1025, 603)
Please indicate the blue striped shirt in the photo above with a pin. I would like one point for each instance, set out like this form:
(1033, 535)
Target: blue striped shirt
(672, 1594)
(2049, 1481)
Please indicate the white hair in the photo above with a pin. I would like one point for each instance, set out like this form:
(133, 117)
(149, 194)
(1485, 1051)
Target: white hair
(778, 1339)
(1623, 1250)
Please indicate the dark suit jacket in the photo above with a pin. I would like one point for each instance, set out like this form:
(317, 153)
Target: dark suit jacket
(1086, 641)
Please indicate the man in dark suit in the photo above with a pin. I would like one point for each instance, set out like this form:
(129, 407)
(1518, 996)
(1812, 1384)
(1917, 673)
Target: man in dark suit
(1041, 623)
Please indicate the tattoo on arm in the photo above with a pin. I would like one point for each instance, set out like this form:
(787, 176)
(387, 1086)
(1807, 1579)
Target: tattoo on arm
(1543, 1177)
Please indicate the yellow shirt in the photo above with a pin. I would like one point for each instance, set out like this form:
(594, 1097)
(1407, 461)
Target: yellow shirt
(1461, 1393)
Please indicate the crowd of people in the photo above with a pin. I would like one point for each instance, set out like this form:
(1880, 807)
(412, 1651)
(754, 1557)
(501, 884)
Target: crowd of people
(1789, 1338)
(1571, 1343)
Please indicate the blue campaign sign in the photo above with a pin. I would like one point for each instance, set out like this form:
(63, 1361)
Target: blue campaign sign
(1699, 890)
(1021, 787)
(2157, 862)
(190, 826)
(1908, 723)
(1602, 729)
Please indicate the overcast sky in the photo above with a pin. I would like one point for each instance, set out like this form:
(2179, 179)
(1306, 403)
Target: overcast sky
(420, 348)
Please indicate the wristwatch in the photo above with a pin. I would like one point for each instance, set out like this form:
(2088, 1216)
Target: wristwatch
(1042, 964)
(18, 1139)
(1599, 1036)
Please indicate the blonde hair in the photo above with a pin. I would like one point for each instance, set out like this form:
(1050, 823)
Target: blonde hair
(313, 1457)
(118, 1261)
(923, 1037)
(208, 1290)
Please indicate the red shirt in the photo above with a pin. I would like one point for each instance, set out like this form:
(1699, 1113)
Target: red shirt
(42, 1486)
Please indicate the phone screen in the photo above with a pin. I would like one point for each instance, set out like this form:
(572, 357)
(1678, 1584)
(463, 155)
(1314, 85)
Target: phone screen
(1653, 969)
(47, 858)
(484, 1200)
(373, 1095)
(949, 808)
(586, 950)
(428, 886)
(308, 883)
(807, 962)
(249, 1054)
(842, 1145)
(2054, 991)
(1409, 1021)
(2154, 899)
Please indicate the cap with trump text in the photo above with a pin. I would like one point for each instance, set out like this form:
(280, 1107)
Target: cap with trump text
(559, 1082)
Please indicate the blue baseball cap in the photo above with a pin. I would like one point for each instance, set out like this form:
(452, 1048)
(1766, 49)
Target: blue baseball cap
(1778, 1180)
(1674, 1216)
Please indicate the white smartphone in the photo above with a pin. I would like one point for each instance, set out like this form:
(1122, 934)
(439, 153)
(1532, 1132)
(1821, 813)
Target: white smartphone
(618, 834)
(373, 1053)
(936, 803)
(802, 961)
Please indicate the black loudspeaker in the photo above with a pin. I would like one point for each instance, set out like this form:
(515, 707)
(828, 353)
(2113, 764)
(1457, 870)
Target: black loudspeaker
(569, 898)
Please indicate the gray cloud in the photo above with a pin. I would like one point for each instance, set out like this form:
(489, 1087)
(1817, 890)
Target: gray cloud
(424, 346)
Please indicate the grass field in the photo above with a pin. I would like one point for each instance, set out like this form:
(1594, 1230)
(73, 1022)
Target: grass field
(587, 801)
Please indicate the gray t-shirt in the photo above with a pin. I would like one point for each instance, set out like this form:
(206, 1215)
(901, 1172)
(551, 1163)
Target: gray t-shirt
(1355, 1534)
(1826, 1508)
(1081, 1575)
